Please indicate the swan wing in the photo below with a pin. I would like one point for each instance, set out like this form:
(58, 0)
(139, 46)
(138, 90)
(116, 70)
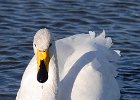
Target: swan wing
(87, 68)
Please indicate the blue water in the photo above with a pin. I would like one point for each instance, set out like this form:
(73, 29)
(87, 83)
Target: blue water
(20, 19)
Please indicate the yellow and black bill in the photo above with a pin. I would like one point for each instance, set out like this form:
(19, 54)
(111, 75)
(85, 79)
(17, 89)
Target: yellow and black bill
(43, 60)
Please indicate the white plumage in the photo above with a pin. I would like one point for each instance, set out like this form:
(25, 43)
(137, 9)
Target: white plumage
(81, 68)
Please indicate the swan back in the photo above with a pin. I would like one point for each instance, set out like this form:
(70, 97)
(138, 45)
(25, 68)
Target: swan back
(87, 67)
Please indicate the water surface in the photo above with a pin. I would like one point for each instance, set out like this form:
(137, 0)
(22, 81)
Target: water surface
(20, 19)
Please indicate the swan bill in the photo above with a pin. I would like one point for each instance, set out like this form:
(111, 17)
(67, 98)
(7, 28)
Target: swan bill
(42, 75)
(43, 65)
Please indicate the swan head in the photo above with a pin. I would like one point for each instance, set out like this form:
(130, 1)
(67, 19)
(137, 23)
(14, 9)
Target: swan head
(41, 44)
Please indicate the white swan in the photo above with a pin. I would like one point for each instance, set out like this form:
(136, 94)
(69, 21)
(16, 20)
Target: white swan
(79, 67)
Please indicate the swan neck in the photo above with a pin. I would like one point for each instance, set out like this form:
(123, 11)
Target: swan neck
(53, 79)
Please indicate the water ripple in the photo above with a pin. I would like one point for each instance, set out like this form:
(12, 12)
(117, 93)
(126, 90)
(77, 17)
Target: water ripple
(20, 19)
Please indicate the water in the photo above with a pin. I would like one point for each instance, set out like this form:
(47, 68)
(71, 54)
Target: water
(20, 19)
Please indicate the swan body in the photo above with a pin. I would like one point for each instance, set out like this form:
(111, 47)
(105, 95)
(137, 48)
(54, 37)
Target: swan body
(81, 67)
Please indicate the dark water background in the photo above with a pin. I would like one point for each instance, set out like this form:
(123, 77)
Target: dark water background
(20, 19)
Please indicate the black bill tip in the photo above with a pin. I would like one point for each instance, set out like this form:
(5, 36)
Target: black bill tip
(42, 75)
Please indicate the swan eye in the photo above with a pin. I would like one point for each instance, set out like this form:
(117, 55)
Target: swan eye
(35, 45)
(50, 45)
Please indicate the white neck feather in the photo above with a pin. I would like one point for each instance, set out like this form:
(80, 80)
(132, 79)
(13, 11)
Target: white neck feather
(50, 88)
